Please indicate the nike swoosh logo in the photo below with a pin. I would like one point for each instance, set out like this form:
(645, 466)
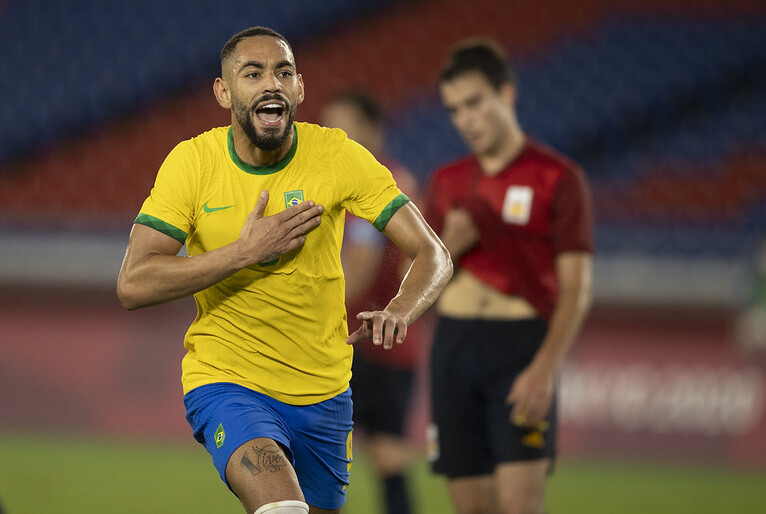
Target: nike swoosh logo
(214, 209)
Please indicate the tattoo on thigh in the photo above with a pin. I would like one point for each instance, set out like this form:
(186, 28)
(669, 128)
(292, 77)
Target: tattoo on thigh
(267, 458)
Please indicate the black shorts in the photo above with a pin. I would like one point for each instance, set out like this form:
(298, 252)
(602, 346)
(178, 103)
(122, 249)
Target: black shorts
(473, 365)
(381, 395)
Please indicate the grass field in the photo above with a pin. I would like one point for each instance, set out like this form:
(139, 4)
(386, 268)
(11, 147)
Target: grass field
(43, 474)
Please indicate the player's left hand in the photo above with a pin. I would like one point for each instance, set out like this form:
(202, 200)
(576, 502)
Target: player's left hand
(531, 396)
(381, 326)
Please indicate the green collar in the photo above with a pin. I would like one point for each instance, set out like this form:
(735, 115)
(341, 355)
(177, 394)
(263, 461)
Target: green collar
(263, 170)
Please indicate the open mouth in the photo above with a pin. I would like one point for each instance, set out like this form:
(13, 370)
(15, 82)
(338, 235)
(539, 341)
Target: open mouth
(270, 112)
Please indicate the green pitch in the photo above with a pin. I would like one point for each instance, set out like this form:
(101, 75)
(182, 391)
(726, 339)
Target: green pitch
(43, 474)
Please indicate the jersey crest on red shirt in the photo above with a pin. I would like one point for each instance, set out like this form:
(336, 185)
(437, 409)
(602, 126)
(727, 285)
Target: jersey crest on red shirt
(517, 204)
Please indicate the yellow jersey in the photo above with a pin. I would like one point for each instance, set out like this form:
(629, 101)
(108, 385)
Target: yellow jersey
(278, 327)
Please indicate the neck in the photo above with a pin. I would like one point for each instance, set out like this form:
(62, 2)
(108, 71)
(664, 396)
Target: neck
(377, 144)
(497, 158)
(251, 154)
(377, 150)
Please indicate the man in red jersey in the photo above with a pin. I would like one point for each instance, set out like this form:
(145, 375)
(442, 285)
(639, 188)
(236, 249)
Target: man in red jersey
(516, 217)
(373, 267)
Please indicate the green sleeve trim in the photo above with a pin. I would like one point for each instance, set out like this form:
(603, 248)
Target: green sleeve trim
(161, 226)
(382, 220)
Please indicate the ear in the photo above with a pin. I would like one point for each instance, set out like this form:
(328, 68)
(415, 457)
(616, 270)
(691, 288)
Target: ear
(301, 90)
(509, 93)
(222, 93)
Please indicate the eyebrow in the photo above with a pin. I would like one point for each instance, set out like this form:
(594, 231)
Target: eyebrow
(258, 64)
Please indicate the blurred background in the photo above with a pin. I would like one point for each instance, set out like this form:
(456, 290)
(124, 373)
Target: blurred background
(662, 102)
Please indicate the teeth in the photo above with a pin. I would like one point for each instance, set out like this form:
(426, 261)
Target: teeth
(271, 106)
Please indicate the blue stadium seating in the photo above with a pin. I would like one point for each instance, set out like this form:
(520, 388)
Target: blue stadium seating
(631, 71)
(67, 64)
(634, 92)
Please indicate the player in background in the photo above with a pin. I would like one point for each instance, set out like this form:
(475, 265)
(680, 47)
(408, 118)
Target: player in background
(260, 206)
(382, 382)
(516, 218)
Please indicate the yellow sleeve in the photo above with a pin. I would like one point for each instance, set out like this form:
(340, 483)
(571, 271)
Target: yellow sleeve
(372, 192)
(170, 205)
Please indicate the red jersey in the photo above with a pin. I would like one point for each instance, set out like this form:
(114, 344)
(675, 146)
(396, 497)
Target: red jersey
(535, 208)
(385, 286)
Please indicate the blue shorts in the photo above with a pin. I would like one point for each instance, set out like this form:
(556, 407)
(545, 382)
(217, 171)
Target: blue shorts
(316, 438)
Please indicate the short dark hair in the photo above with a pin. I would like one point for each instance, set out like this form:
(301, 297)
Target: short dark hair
(232, 43)
(479, 54)
(367, 106)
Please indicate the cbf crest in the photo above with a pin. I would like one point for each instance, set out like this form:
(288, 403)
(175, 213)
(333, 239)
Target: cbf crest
(293, 198)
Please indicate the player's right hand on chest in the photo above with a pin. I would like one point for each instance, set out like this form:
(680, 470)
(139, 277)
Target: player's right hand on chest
(264, 238)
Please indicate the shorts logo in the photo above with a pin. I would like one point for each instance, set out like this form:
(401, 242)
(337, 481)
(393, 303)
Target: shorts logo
(534, 438)
(219, 436)
(517, 205)
(349, 453)
(293, 198)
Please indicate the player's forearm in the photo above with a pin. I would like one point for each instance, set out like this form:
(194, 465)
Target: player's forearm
(162, 278)
(429, 273)
(459, 233)
(566, 321)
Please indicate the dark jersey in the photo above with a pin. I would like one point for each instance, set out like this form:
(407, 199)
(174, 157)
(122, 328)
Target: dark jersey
(537, 207)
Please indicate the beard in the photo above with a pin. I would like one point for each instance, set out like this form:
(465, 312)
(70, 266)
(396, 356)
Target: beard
(271, 139)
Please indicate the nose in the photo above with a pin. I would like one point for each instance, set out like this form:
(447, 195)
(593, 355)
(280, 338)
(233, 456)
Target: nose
(272, 83)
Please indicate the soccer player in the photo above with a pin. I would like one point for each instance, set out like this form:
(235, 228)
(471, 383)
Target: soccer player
(382, 382)
(260, 206)
(516, 218)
